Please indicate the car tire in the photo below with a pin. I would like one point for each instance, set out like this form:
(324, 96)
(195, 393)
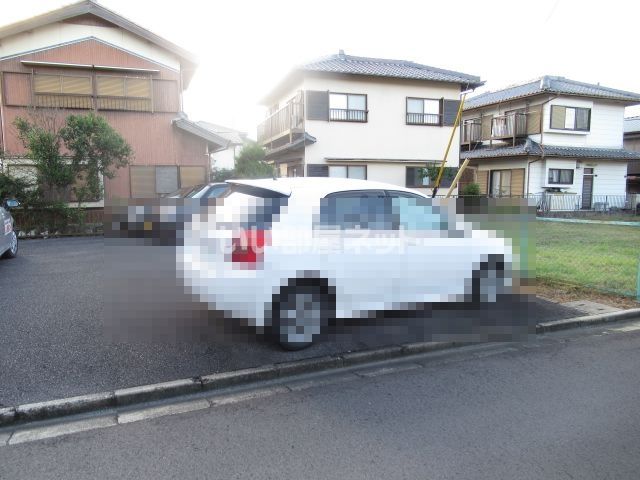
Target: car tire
(300, 314)
(13, 249)
(488, 282)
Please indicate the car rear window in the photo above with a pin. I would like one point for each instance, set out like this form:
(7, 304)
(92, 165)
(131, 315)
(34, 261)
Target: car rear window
(253, 207)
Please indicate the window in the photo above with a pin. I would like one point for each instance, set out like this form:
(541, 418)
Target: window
(415, 214)
(570, 118)
(500, 183)
(347, 107)
(355, 210)
(62, 91)
(561, 176)
(123, 93)
(414, 178)
(423, 111)
(348, 171)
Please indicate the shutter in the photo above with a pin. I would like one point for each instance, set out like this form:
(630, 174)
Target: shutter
(534, 115)
(47, 83)
(166, 179)
(483, 181)
(317, 170)
(143, 182)
(138, 87)
(486, 127)
(111, 86)
(450, 112)
(190, 176)
(557, 116)
(77, 85)
(409, 175)
(517, 182)
(317, 105)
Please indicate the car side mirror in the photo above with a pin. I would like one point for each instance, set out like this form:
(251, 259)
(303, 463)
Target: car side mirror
(12, 203)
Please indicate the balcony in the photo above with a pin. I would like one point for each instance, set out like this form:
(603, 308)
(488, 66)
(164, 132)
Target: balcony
(346, 115)
(423, 119)
(511, 125)
(285, 122)
(471, 131)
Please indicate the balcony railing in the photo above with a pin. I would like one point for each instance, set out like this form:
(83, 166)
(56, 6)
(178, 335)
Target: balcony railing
(471, 131)
(423, 119)
(283, 122)
(509, 125)
(346, 115)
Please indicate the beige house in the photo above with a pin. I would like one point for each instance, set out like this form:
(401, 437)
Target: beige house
(360, 117)
(550, 135)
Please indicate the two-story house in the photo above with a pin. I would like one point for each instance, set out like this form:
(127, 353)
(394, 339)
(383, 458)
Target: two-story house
(632, 142)
(550, 135)
(84, 57)
(359, 117)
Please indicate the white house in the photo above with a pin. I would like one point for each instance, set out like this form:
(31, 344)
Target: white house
(224, 158)
(550, 135)
(360, 117)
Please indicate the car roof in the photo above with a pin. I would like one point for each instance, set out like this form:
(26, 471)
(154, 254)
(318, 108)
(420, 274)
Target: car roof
(318, 186)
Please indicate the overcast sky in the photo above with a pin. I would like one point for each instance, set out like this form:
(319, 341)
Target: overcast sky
(245, 46)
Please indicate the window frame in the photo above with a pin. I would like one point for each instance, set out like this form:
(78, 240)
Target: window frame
(348, 166)
(347, 110)
(575, 120)
(560, 170)
(491, 183)
(414, 186)
(406, 112)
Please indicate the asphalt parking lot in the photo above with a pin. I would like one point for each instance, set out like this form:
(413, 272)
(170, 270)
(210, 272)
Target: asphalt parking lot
(54, 342)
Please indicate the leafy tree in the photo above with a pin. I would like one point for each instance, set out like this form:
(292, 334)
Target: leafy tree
(93, 148)
(250, 163)
(18, 188)
(222, 174)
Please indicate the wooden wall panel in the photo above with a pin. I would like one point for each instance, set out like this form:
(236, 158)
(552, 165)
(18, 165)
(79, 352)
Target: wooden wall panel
(16, 89)
(534, 118)
(517, 181)
(483, 181)
(166, 97)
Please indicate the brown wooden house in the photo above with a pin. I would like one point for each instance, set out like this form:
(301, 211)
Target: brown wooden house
(84, 57)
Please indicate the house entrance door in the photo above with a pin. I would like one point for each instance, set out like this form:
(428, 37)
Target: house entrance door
(587, 188)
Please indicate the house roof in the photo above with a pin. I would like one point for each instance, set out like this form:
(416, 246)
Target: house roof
(235, 137)
(535, 149)
(550, 84)
(632, 125)
(91, 7)
(342, 63)
(183, 123)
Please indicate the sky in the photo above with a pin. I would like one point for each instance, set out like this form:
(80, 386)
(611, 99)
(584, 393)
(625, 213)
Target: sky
(245, 47)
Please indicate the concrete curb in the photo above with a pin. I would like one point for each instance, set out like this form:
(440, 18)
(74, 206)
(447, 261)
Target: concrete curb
(159, 391)
(587, 320)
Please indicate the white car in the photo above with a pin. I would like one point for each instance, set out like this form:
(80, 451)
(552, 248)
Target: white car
(293, 253)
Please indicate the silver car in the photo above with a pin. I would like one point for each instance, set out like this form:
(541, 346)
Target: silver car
(8, 236)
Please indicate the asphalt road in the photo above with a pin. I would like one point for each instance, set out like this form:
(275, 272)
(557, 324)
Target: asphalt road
(564, 406)
(55, 342)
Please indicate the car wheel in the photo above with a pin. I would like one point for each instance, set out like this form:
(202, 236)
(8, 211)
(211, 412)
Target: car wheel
(13, 247)
(489, 281)
(300, 314)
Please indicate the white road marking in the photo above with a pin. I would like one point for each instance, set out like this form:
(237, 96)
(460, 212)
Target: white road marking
(154, 412)
(52, 431)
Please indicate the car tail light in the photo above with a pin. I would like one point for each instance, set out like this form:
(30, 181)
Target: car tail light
(247, 246)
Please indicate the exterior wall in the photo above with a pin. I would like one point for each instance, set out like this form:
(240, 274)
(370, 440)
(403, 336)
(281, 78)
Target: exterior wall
(61, 33)
(225, 158)
(385, 135)
(606, 130)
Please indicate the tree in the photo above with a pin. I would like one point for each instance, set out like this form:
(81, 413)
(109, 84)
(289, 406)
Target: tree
(92, 148)
(471, 189)
(250, 163)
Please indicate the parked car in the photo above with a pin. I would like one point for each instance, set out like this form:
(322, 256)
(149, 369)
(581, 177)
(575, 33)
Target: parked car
(291, 254)
(8, 236)
(160, 220)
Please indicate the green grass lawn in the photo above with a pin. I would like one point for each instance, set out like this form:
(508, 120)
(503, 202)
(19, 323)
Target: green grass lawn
(604, 257)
